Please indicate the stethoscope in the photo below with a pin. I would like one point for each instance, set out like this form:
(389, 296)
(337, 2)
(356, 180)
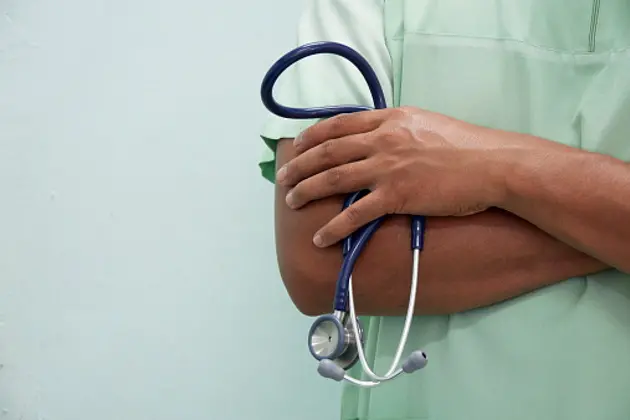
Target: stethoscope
(336, 340)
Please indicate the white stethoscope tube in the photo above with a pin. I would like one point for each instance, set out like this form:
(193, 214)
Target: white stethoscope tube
(394, 369)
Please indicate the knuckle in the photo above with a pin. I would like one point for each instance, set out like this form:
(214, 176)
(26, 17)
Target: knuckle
(337, 123)
(388, 135)
(393, 134)
(368, 140)
(401, 131)
(353, 214)
(328, 150)
(333, 176)
(402, 111)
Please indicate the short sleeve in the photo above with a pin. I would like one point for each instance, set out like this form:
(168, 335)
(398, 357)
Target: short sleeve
(325, 79)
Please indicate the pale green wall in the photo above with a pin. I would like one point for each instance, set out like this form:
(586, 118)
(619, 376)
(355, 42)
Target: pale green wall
(137, 274)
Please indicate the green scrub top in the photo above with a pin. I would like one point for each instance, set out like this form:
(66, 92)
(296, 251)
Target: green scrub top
(555, 69)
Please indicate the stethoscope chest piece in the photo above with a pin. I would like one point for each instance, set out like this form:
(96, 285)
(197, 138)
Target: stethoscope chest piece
(332, 337)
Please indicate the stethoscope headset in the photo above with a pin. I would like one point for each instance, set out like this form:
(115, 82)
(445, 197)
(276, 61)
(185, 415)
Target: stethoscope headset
(336, 340)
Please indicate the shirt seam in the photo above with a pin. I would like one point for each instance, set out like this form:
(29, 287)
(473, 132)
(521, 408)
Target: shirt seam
(513, 40)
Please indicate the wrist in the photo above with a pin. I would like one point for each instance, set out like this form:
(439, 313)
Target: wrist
(504, 169)
(512, 165)
(500, 152)
(496, 169)
(531, 172)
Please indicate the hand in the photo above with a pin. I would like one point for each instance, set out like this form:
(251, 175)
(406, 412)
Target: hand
(412, 161)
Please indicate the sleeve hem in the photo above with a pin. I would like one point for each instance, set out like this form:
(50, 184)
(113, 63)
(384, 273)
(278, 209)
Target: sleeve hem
(267, 164)
(274, 131)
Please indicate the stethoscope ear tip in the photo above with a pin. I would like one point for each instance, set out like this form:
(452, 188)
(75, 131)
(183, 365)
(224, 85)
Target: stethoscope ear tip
(329, 369)
(416, 361)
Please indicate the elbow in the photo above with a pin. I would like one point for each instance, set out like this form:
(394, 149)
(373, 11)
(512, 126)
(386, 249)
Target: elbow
(308, 289)
(304, 292)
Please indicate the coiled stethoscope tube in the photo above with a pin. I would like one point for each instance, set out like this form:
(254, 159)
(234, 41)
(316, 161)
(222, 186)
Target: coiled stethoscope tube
(336, 339)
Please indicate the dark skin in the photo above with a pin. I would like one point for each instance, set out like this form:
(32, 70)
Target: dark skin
(468, 262)
(419, 162)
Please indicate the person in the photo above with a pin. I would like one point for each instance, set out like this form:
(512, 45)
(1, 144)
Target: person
(509, 128)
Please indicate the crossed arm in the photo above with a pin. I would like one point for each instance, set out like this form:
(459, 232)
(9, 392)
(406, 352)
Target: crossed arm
(467, 262)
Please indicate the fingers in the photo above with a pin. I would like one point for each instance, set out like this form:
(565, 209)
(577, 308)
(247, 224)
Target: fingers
(342, 179)
(351, 219)
(340, 126)
(323, 157)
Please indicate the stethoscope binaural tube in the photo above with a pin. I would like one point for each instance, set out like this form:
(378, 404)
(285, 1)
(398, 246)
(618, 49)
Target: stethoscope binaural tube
(315, 48)
(336, 339)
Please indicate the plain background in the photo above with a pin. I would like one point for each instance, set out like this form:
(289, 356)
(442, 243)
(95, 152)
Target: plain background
(138, 278)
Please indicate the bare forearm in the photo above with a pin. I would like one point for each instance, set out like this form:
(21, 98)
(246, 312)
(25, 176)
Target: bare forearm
(467, 262)
(581, 198)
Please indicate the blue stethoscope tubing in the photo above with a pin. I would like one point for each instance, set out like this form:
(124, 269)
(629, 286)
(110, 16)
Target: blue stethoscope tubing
(354, 244)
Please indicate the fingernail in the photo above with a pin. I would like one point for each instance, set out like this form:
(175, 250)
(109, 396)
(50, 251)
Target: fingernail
(281, 174)
(297, 139)
(289, 199)
(318, 240)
